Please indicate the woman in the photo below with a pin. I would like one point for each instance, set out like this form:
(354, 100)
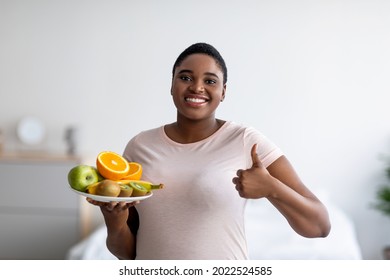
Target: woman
(210, 167)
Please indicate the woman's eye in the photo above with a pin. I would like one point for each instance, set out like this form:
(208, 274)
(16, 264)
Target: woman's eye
(210, 81)
(185, 78)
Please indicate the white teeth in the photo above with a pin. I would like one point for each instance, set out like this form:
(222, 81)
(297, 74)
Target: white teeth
(195, 100)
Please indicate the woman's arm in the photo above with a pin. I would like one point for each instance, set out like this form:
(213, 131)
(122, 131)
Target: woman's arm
(280, 184)
(302, 209)
(121, 220)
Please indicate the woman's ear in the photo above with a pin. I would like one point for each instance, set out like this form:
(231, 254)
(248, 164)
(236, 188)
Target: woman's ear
(223, 92)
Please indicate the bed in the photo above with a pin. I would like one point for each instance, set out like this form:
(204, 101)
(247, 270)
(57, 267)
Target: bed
(269, 237)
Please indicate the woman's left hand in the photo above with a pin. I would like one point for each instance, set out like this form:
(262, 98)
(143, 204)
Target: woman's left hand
(255, 182)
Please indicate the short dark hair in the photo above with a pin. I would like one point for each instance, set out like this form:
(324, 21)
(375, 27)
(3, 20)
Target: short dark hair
(202, 48)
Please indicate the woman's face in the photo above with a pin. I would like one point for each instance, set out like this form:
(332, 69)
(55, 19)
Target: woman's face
(197, 87)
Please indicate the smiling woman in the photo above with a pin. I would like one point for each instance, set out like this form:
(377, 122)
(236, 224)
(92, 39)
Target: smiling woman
(210, 168)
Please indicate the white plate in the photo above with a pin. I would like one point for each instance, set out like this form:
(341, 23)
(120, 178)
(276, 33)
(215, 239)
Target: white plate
(113, 198)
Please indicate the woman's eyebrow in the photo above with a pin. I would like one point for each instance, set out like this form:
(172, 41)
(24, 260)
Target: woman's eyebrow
(212, 74)
(184, 71)
(190, 71)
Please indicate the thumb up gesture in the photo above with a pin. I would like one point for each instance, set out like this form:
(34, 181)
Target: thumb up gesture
(255, 182)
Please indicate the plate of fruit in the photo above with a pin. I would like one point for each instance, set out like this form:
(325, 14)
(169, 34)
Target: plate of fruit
(113, 179)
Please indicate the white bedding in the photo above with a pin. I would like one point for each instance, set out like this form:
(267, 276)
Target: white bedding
(273, 238)
(269, 237)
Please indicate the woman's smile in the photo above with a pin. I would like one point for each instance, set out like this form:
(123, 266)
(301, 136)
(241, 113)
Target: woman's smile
(196, 100)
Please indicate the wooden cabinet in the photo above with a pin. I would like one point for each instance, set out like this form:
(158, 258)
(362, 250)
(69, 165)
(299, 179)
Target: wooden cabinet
(39, 215)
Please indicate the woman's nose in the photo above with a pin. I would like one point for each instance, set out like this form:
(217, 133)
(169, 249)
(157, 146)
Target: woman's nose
(197, 87)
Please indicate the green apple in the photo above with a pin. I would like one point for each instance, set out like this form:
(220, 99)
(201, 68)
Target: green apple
(81, 176)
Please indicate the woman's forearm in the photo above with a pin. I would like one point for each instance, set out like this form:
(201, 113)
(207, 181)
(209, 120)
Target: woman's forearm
(306, 215)
(303, 210)
(121, 243)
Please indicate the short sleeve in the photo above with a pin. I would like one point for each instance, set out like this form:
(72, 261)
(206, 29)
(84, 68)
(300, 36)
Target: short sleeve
(267, 151)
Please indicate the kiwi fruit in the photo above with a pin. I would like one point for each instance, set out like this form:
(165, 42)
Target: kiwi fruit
(108, 188)
(126, 190)
(138, 190)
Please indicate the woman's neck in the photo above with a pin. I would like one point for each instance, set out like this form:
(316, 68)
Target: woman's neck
(189, 131)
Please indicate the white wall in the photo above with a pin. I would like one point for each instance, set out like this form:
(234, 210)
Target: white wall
(312, 75)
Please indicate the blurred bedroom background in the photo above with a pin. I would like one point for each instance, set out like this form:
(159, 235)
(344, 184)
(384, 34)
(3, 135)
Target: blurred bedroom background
(81, 76)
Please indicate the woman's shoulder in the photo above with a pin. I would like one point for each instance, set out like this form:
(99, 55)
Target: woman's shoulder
(242, 128)
(146, 135)
(244, 132)
(149, 132)
(141, 139)
(249, 133)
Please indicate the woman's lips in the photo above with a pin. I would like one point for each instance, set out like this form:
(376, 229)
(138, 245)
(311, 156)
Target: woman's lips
(195, 102)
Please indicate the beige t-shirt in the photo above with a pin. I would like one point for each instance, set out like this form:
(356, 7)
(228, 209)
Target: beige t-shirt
(199, 214)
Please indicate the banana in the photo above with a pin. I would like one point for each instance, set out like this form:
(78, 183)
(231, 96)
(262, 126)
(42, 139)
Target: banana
(92, 188)
(147, 185)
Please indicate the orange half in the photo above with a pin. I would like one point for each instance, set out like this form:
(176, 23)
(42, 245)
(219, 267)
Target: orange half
(112, 165)
(135, 172)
